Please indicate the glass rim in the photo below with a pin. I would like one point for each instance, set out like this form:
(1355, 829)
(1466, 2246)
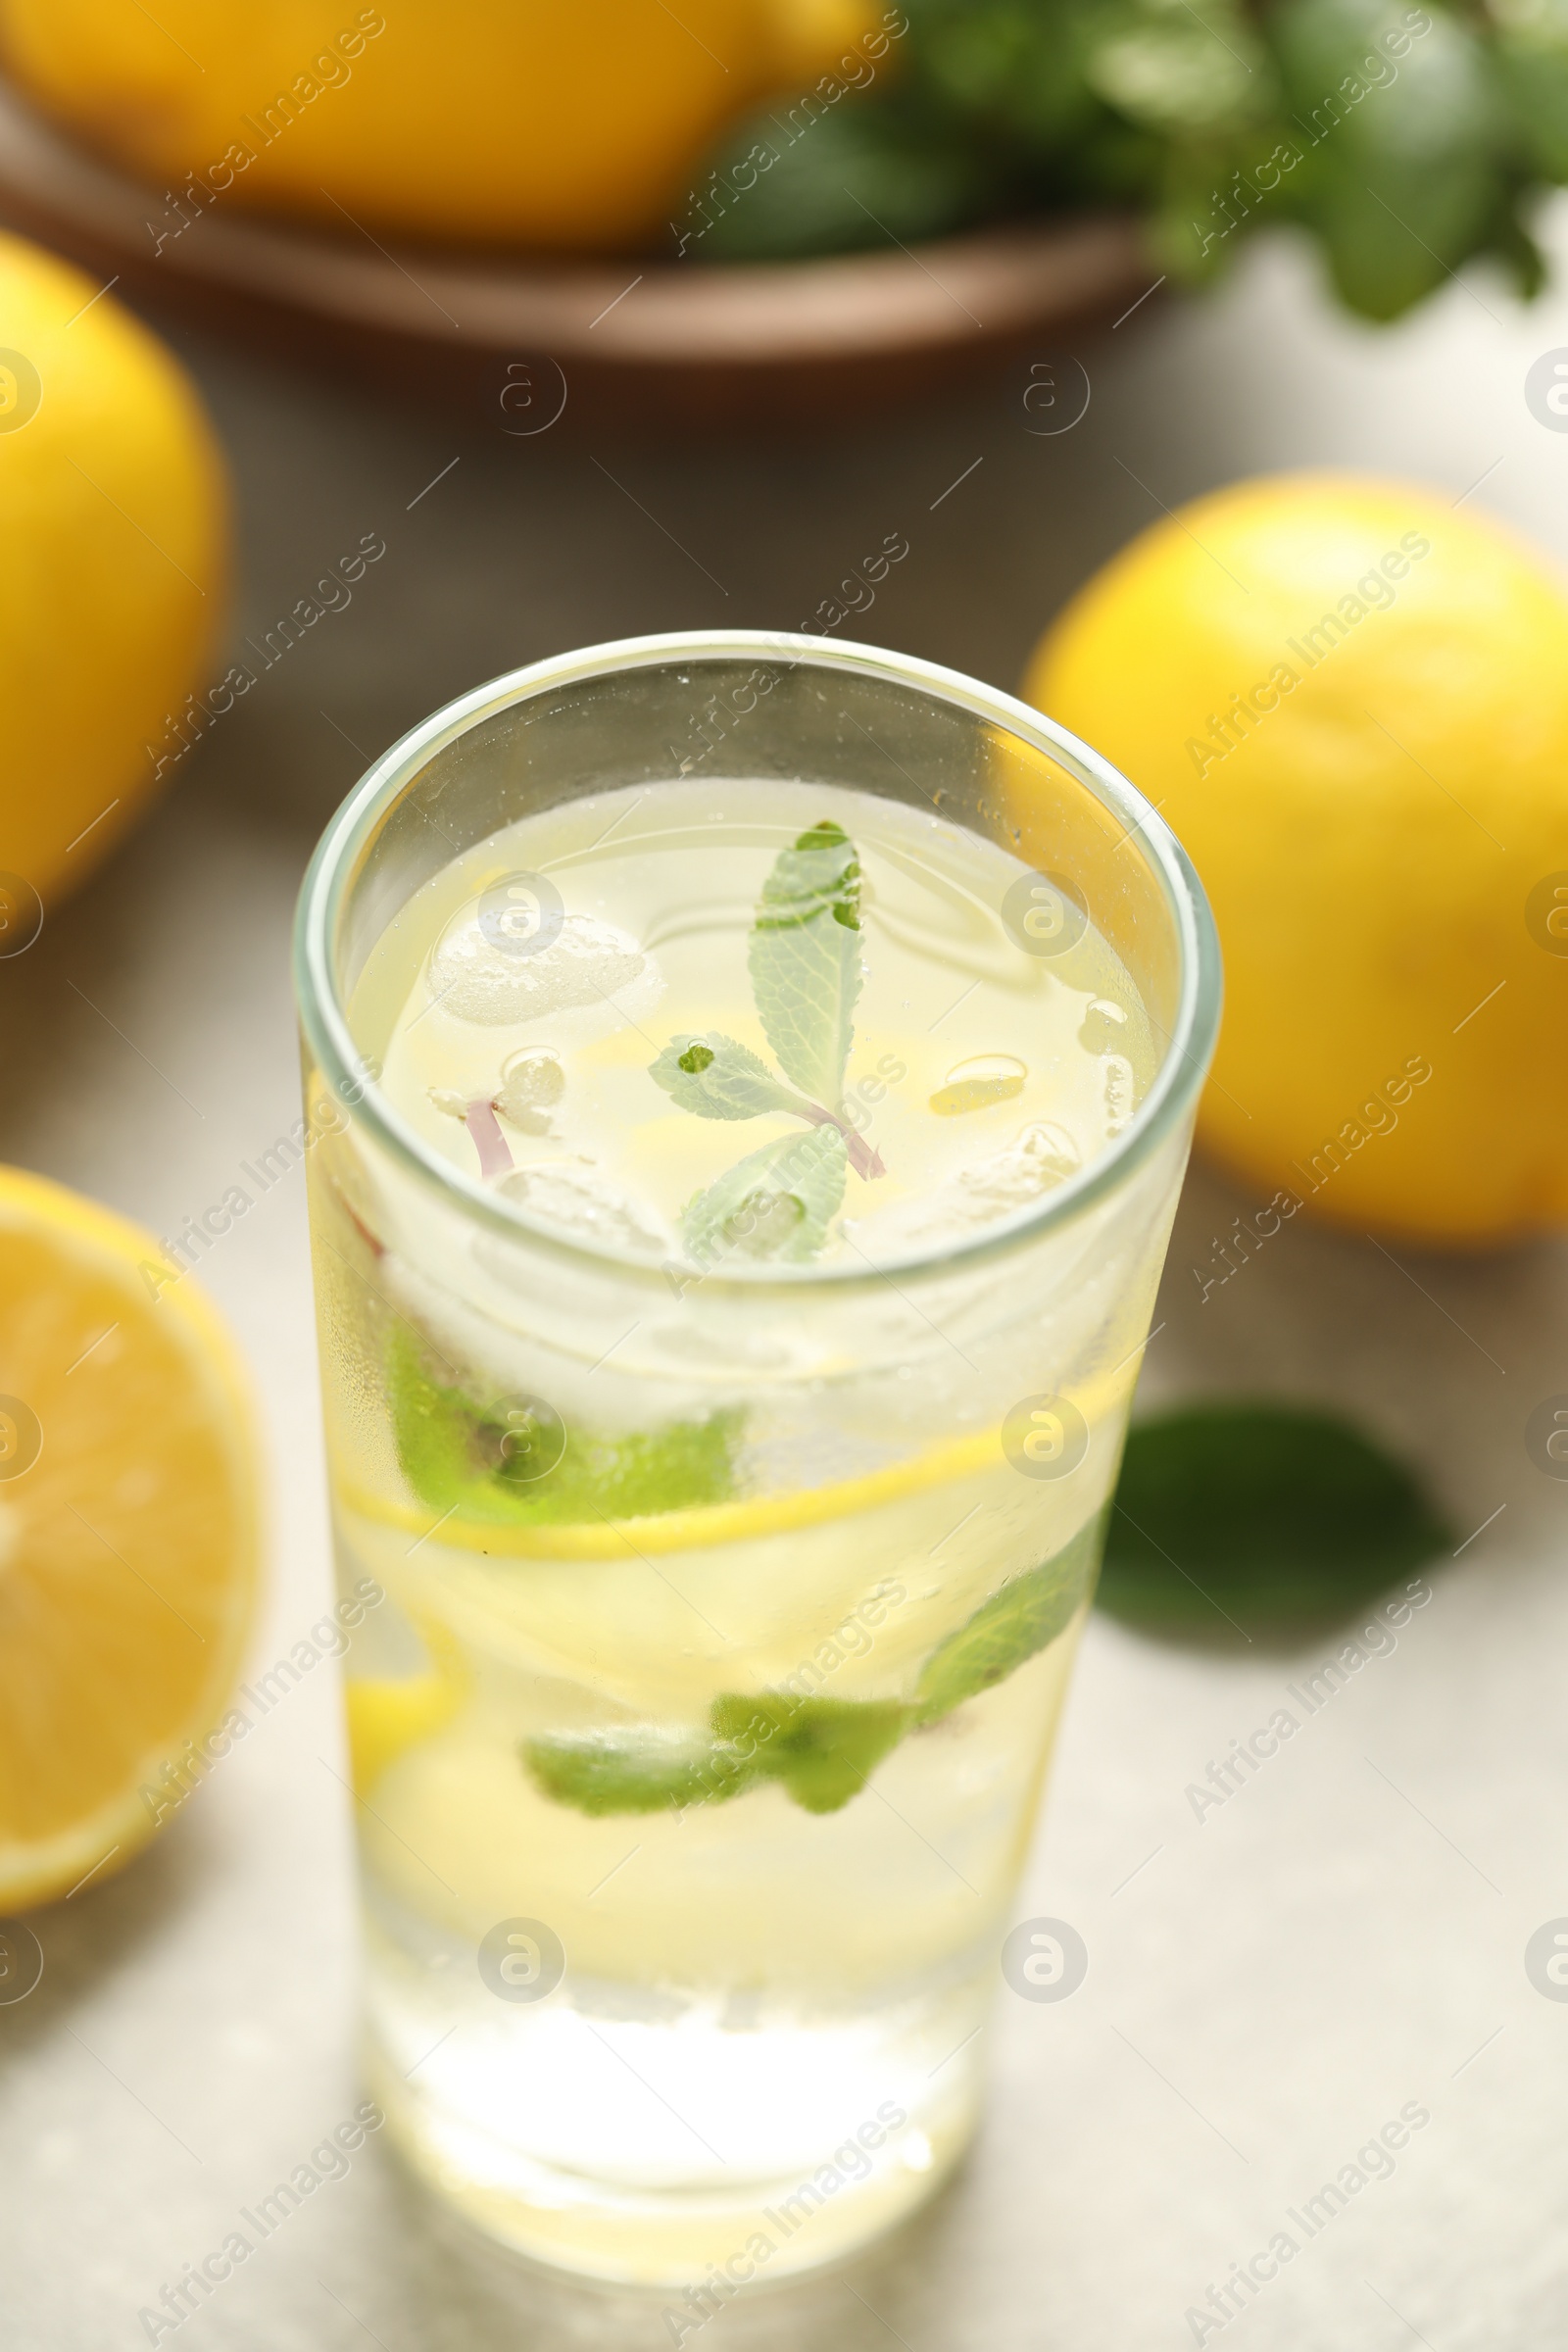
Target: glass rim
(335, 864)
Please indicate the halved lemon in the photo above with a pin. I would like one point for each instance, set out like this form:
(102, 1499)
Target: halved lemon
(129, 1538)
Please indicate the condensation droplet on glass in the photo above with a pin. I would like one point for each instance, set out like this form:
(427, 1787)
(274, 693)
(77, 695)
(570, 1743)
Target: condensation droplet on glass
(983, 1079)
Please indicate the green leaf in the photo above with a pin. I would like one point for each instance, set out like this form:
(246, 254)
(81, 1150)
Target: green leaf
(601, 1772)
(822, 1750)
(776, 1204)
(874, 172)
(1181, 66)
(456, 1454)
(1263, 1515)
(806, 960)
(1011, 1626)
(1532, 52)
(718, 1078)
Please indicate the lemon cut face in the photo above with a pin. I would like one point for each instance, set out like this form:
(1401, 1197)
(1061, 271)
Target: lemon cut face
(128, 1535)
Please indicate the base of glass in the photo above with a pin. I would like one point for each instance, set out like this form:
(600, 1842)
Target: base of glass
(706, 2239)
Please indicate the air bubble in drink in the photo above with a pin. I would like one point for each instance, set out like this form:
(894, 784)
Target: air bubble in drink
(1103, 1027)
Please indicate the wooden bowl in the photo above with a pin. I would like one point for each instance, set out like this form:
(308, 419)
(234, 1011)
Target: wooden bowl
(530, 341)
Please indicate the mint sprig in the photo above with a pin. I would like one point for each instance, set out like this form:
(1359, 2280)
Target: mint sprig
(820, 1751)
(804, 965)
(805, 960)
(778, 1203)
(718, 1078)
(1405, 142)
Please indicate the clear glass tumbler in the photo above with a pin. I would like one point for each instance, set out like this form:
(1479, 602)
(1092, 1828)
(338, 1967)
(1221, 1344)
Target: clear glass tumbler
(728, 2029)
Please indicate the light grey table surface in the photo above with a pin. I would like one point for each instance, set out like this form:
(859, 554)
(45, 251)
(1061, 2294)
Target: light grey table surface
(1267, 1987)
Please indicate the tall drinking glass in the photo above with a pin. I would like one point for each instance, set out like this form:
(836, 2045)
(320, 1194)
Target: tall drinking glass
(715, 1597)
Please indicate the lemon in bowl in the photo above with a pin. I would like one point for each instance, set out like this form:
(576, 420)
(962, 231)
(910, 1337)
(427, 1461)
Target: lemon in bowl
(533, 124)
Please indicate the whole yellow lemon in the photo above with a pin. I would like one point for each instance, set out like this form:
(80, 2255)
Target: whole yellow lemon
(1350, 698)
(541, 121)
(114, 519)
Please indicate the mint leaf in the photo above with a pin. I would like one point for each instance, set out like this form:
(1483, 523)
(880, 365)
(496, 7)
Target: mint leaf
(822, 1750)
(1011, 1626)
(869, 173)
(806, 960)
(776, 1204)
(455, 1455)
(1263, 1514)
(718, 1078)
(601, 1772)
(1180, 72)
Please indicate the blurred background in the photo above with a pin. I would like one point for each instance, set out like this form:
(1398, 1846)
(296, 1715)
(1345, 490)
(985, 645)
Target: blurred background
(1014, 287)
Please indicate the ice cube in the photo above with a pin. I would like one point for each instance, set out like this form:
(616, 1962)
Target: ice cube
(996, 1185)
(583, 961)
(530, 1081)
(582, 1201)
(1036, 1161)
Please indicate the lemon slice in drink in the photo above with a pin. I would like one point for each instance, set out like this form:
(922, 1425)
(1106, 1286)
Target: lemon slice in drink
(701, 1525)
(389, 1713)
(127, 1536)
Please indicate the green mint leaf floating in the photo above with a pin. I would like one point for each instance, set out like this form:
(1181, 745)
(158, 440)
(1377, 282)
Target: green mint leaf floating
(1266, 1516)
(822, 1750)
(601, 1772)
(775, 1204)
(806, 960)
(718, 1078)
(457, 1454)
(1012, 1626)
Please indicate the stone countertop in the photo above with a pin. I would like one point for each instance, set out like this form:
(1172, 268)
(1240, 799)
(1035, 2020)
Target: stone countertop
(1268, 1985)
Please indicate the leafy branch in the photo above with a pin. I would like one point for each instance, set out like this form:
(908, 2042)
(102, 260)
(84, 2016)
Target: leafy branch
(1405, 140)
(806, 973)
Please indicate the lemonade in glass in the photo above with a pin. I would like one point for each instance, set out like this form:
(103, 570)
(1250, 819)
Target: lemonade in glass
(749, 1084)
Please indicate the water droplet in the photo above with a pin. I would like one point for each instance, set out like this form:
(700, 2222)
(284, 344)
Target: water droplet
(983, 1079)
